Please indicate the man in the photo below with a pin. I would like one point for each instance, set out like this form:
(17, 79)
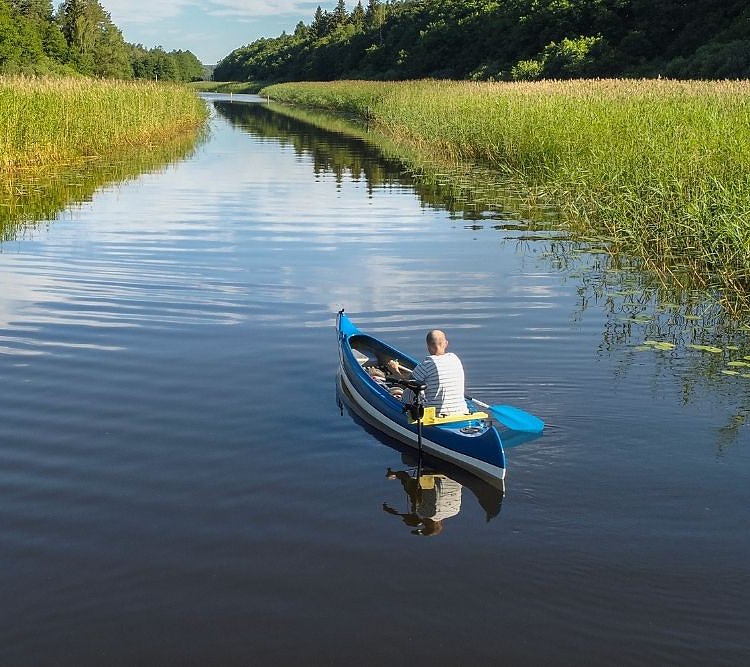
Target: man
(443, 374)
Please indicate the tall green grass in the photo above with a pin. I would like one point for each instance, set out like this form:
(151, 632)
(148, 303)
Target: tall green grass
(660, 167)
(53, 122)
(243, 87)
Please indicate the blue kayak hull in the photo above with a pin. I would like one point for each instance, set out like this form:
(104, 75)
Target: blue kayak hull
(473, 445)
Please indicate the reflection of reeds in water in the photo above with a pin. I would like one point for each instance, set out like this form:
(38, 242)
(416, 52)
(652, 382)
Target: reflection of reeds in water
(684, 332)
(468, 190)
(659, 167)
(26, 198)
(61, 139)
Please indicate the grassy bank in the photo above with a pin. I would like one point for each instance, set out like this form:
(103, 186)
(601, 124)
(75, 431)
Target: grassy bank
(52, 122)
(226, 86)
(660, 167)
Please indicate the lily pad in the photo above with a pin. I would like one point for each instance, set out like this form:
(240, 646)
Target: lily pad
(659, 345)
(745, 364)
(731, 373)
(706, 348)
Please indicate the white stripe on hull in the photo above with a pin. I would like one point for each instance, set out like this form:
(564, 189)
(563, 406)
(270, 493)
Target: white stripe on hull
(490, 473)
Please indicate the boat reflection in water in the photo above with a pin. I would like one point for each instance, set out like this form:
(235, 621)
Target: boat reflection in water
(433, 497)
(433, 487)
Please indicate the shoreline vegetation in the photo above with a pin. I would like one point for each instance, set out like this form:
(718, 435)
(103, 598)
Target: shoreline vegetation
(239, 87)
(78, 37)
(487, 40)
(53, 123)
(657, 168)
(62, 138)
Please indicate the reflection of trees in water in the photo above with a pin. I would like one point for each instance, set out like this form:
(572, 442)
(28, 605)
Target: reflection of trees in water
(27, 199)
(331, 152)
(641, 302)
(470, 192)
(343, 147)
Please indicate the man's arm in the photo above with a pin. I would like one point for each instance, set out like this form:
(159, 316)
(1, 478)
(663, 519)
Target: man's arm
(398, 369)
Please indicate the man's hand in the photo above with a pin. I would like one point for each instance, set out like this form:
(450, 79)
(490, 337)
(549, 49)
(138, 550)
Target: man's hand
(398, 369)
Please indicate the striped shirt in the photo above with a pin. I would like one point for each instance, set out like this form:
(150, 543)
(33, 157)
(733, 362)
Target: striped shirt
(440, 502)
(444, 376)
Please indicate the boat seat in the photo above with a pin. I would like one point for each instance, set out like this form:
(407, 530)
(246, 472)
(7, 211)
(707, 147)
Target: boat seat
(432, 419)
(361, 358)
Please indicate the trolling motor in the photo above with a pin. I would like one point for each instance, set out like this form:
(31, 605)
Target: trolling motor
(415, 410)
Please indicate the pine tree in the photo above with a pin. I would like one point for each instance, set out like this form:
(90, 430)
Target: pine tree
(319, 25)
(374, 13)
(34, 9)
(358, 15)
(340, 15)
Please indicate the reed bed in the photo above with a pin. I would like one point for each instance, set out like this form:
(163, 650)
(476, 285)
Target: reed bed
(238, 87)
(660, 167)
(57, 122)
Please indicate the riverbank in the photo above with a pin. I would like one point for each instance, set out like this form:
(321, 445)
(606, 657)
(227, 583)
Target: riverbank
(238, 87)
(50, 123)
(656, 167)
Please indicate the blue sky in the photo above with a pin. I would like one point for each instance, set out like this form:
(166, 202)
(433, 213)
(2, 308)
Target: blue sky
(212, 28)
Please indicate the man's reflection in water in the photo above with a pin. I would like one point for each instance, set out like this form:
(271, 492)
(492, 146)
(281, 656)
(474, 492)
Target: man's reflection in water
(432, 498)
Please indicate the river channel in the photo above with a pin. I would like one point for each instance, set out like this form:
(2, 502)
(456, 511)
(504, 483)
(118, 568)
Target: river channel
(181, 485)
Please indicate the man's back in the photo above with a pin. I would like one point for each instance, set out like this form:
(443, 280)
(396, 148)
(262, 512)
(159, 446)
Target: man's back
(444, 376)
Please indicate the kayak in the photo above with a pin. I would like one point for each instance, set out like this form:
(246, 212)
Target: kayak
(471, 442)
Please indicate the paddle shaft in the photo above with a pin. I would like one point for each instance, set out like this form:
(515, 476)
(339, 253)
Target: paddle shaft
(401, 368)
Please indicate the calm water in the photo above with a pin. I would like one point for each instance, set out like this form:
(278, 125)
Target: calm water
(178, 484)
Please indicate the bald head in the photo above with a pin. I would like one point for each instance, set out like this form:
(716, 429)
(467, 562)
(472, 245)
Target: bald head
(437, 343)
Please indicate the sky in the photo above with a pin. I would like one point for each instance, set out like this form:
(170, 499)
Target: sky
(211, 29)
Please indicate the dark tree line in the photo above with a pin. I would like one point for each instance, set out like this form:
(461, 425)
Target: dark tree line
(80, 38)
(505, 40)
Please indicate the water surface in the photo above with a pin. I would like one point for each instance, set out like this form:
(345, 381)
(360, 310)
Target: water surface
(178, 484)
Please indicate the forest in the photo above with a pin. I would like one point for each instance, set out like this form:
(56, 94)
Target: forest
(80, 38)
(504, 40)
